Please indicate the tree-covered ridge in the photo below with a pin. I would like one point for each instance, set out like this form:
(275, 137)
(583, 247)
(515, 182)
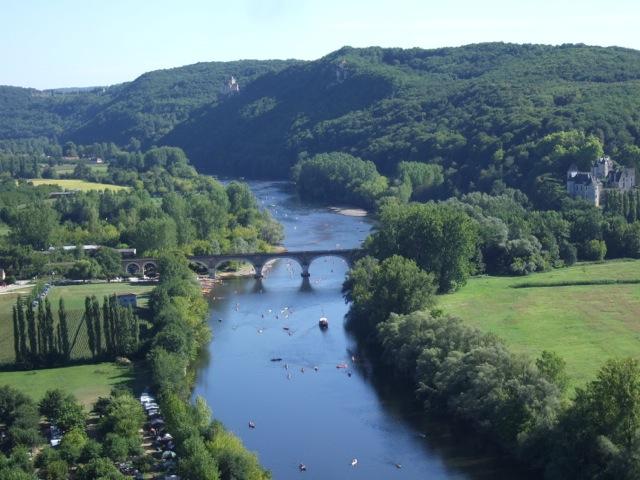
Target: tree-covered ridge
(475, 110)
(31, 113)
(143, 110)
(149, 107)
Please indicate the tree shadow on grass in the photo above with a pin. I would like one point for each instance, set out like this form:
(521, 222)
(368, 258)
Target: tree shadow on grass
(135, 378)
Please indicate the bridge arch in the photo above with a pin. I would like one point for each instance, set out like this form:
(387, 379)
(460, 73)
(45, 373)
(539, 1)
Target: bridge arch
(293, 258)
(330, 256)
(132, 268)
(202, 266)
(150, 269)
(240, 258)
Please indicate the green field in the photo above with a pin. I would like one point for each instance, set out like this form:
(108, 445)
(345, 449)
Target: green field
(74, 296)
(86, 382)
(76, 184)
(585, 324)
(68, 168)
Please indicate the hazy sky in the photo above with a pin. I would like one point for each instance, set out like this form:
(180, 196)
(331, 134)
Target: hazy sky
(60, 43)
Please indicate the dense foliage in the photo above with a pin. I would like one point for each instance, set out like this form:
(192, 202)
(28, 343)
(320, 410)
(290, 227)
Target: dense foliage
(478, 111)
(481, 112)
(441, 239)
(339, 177)
(134, 113)
(376, 289)
(88, 451)
(168, 205)
(520, 404)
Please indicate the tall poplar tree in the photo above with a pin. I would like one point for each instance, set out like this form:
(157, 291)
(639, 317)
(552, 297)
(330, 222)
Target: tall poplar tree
(106, 326)
(33, 334)
(22, 330)
(16, 336)
(41, 327)
(95, 314)
(88, 320)
(64, 331)
(632, 207)
(114, 321)
(49, 328)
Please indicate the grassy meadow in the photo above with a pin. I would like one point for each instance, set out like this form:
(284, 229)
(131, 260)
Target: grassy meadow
(86, 382)
(72, 184)
(68, 168)
(585, 324)
(74, 296)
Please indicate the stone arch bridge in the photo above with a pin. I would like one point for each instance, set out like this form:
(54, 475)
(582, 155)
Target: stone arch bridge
(149, 266)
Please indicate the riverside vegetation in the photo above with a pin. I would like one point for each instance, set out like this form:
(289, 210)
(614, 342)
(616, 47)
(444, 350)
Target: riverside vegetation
(168, 205)
(419, 250)
(482, 133)
(205, 450)
(176, 331)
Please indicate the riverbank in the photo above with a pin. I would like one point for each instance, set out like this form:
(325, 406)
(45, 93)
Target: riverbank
(350, 211)
(326, 417)
(203, 444)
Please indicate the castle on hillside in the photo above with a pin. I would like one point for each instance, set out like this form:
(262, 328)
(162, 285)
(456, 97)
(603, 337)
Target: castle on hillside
(342, 71)
(230, 87)
(604, 175)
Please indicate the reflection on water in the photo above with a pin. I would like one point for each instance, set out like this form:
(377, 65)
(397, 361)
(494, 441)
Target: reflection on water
(306, 409)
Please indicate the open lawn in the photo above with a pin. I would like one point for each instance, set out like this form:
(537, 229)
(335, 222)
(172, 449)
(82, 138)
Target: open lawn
(74, 296)
(76, 184)
(585, 324)
(86, 382)
(68, 168)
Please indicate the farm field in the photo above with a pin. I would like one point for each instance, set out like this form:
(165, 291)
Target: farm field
(584, 324)
(71, 184)
(68, 168)
(74, 296)
(86, 382)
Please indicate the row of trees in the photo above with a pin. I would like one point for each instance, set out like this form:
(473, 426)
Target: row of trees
(623, 204)
(40, 340)
(37, 338)
(112, 330)
(458, 370)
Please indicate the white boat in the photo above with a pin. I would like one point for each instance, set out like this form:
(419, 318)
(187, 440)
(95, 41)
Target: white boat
(323, 323)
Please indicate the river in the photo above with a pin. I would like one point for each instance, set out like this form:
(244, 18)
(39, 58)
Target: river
(306, 410)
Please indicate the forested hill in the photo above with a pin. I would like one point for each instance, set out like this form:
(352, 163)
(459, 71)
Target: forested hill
(477, 110)
(480, 111)
(137, 113)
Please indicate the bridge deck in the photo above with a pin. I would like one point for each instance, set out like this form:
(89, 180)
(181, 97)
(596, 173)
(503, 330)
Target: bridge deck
(258, 260)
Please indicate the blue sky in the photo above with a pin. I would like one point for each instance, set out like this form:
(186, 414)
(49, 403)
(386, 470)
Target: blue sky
(61, 43)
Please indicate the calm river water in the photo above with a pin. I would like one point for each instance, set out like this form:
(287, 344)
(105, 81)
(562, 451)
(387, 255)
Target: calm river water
(305, 409)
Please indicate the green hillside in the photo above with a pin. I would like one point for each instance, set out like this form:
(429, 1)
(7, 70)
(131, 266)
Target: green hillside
(144, 109)
(480, 111)
(150, 106)
(477, 110)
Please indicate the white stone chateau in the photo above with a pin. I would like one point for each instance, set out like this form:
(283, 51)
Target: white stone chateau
(230, 86)
(604, 175)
